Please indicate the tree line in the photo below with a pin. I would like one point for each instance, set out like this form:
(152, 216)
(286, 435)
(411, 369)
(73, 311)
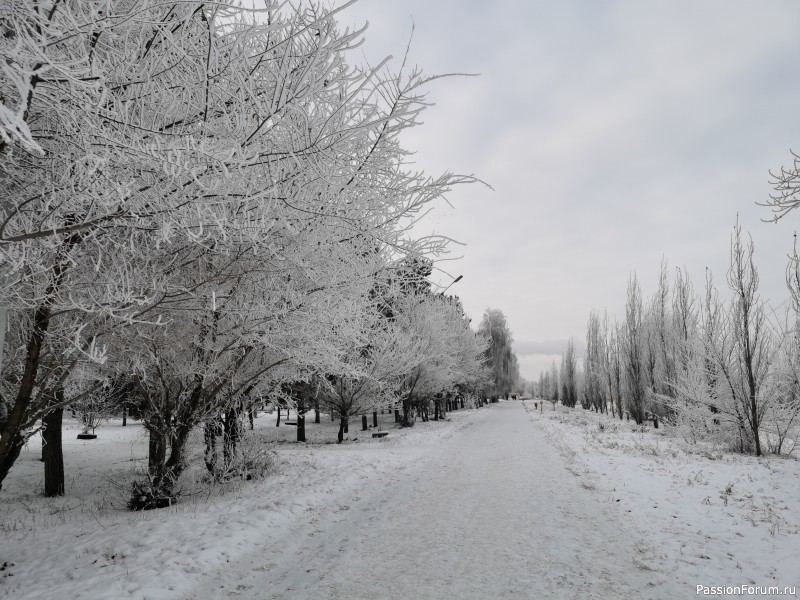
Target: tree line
(204, 205)
(718, 365)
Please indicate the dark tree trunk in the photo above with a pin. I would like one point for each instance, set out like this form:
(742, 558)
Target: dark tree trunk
(346, 425)
(435, 410)
(210, 432)
(11, 438)
(301, 420)
(278, 422)
(342, 423)
(364, 424)
(124, 415)
(52, 452)
(156, 452)
(405, 420)
(374, 418)
(251, 416)
(316, 415)
(231, 433)
(167, 476)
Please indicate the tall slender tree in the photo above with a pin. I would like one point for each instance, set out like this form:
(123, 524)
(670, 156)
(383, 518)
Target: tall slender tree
(499, 353)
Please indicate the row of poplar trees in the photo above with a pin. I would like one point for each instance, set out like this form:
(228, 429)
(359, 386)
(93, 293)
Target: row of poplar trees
(720, 366)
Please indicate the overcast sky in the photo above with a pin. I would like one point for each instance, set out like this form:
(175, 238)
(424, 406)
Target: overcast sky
(614, 133)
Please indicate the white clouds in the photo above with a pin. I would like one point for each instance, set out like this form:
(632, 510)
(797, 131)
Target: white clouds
(614, 133)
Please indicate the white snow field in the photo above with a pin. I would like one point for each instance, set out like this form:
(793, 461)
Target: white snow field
(500, 502)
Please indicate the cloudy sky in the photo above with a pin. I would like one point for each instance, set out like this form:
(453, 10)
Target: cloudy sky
(613, 134)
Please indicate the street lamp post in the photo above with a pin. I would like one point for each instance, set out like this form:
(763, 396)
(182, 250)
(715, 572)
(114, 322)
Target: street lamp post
(456, 280)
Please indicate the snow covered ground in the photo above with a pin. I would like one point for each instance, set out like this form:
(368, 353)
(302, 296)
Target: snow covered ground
(501, 502)
(704, 517)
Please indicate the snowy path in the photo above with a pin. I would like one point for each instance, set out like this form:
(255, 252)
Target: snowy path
(490, 512)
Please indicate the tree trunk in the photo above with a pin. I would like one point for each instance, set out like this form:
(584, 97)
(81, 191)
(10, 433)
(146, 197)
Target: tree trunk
(230, 436)
(405, 420)
(124, 415)
(301, 420)
(52, 451)
(167, 477)
(340, 437)
(210, 432)
(364, 423)
(11, 438)
(301, 427)
(278, 422)
(156, 452)
(374, 418)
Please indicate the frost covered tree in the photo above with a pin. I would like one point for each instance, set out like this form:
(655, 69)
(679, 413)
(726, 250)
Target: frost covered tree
(568, 376)
(684, 323)
(494, 328)
(633, 353)
(751, 335)
(595, 387)
(375, 367)
(729, 382)
(449, 356)
(614, 367)
(553, 392)
(158, 158)
(708, 406)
